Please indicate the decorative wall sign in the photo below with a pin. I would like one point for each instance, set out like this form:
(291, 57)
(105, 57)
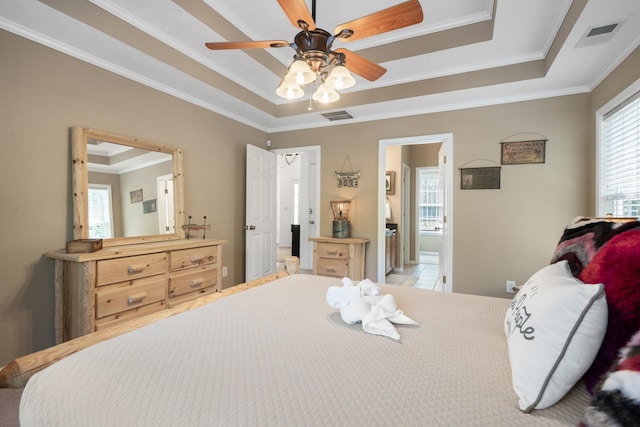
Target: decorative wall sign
(149, 206)
(523, 152)
(390, 183)
(347, 179)
(480, 178)
(135, 196)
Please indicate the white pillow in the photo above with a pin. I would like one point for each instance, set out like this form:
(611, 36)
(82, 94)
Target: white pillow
(554, 326)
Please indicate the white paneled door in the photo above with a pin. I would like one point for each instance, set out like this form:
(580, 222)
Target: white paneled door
(260, 218)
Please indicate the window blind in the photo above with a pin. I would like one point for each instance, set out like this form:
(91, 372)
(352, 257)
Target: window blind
(620, 160)
(429, 200)
(99, 207)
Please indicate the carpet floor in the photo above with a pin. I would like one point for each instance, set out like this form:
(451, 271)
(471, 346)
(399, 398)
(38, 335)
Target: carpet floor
(9, 405)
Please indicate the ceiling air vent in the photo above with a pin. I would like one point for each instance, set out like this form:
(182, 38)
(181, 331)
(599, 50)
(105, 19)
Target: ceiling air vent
(598, 35)
(337, 115)
(605, 29)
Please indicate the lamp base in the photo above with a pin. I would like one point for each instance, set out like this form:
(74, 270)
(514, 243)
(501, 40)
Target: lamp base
(340, 229)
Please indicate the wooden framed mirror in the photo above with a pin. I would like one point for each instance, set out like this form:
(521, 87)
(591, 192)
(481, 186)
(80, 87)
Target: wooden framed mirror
(133, 188)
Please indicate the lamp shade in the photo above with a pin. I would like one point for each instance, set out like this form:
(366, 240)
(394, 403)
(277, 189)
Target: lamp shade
(325, 94)
(300, 73)
(289, 90)
(340, 78)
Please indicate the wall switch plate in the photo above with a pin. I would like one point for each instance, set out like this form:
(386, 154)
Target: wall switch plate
(510, 285)
(225, 271)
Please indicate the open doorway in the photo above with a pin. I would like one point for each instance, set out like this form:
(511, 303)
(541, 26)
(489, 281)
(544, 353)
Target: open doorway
(298, 200)
(422, 240)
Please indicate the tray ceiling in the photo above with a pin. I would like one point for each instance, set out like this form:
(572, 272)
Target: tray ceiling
(465, 53)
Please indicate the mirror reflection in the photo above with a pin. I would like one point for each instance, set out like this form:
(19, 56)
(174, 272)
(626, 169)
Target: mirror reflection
(130, 191)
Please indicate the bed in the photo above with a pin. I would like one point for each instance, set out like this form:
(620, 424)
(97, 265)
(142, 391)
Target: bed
(279, 354)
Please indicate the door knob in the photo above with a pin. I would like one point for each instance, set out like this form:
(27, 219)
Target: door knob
(249, 227)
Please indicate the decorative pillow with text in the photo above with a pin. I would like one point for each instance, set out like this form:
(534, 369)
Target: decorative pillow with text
(554, 326)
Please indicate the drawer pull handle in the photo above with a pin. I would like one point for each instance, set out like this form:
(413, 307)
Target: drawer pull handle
(136, 298)
(333, 252)
(135, 268)
(194, 259)
(197, 282)
(332, 269)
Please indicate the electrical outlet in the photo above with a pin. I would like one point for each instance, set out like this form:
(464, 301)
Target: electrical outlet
(225, 271)
(510, 285)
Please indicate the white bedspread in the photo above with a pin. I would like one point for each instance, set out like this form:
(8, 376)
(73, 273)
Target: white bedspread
(279, 355)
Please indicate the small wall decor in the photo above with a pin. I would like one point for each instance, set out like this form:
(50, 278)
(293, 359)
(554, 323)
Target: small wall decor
(390, 183)
(149, 206)
(480, 178)
(523, 152)
(135, 196)
(347, 179)
(196, 227)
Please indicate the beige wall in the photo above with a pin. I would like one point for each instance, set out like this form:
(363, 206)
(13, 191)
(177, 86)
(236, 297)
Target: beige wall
(498, 234)
(44, 93)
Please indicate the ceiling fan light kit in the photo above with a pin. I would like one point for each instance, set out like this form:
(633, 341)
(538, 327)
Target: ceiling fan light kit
(289, 89)
(315, 61)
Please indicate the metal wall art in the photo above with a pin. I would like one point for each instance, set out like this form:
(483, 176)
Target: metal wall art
(347, 178)
(523, 152)
(480, 178)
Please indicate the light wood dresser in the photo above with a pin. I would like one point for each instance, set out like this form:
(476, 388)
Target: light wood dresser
(97, 290)
(339, 257)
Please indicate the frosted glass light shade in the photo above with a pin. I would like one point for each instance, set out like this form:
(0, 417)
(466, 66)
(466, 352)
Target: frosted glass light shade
(289, 90)
(340, 78)
(300, 73)
(325, 94)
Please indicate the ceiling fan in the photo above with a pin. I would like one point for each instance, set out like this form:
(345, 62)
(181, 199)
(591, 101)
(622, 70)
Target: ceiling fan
(314, 54)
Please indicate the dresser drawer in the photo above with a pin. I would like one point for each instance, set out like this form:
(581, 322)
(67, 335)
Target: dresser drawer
(333, 250)
(129, 295)
(187, 258)
(192, 280)
(333, 267)
(121, 269)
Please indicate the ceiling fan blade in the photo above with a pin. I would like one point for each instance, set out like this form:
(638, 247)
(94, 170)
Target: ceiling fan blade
(297, 10)
(399, 16)
(247, 45)
(361, 66)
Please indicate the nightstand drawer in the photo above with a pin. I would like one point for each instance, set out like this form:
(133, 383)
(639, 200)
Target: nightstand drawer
(187, 258)
(333, 250)
(133, 267)
(129, 295)
(192, 280)
(333, 267)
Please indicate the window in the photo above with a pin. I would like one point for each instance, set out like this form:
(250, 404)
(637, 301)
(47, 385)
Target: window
(100, 218)
(296, 203)
(619, 160)
(429, 200)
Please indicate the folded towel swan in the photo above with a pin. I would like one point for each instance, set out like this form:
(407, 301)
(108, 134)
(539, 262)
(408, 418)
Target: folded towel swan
(364, 303)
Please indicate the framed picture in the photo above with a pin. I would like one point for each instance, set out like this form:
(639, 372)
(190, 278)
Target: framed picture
(135, 196)
(480, 178)
(390, 183)
(149, 206)
(523, 152)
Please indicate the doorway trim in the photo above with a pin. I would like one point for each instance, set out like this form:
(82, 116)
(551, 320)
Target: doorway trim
(306, 254)
(447, 140)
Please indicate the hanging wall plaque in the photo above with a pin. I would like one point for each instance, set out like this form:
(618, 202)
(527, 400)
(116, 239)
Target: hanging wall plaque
(480, 178)
(523, 152)
(347, 179)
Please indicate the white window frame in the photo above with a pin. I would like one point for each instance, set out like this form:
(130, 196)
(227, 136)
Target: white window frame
(107, 188)
(600, 135)
(434, 170)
